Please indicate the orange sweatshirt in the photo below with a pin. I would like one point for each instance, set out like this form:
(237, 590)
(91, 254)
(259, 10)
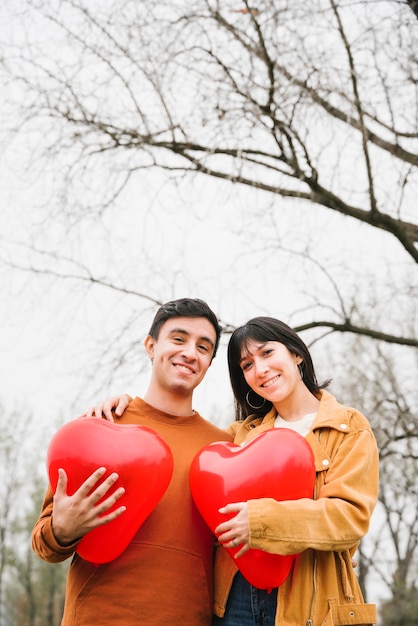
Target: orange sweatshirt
(164, 577)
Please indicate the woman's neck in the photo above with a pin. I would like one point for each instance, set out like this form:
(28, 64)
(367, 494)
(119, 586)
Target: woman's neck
(294, 408)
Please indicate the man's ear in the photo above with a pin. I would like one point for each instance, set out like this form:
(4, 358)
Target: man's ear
(149, 343)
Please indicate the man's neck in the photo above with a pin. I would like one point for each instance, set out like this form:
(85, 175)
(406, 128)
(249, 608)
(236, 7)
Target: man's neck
(169, 403)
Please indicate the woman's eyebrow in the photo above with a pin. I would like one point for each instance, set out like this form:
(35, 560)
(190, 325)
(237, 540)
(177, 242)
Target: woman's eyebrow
(246, 356)
(249, 354)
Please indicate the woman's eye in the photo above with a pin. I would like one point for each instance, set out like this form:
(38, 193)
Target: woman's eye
(245, 366)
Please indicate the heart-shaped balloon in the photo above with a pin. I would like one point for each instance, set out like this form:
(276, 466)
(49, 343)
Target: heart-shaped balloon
(143, 461)
(279, 464)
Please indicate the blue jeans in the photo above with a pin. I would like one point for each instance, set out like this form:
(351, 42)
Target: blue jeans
(248, 606)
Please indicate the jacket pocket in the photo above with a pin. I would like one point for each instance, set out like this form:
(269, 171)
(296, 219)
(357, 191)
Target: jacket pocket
(347, 614)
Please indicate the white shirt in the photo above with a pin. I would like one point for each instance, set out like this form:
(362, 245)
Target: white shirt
(302, 426)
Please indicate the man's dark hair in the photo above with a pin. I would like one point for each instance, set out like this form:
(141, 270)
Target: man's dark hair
(185, 307)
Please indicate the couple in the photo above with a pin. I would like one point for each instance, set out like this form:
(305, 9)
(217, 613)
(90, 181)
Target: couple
(165, 576)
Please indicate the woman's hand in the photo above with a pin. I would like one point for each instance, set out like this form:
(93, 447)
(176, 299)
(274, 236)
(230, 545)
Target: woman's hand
(236, 531)
(110, 408)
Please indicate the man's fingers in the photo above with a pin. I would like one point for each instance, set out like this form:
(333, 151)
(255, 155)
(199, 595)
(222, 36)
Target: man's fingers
(108, 502)
(105, 519)
(87, 490)
(96, 493)
(62, 482)
(90, 482)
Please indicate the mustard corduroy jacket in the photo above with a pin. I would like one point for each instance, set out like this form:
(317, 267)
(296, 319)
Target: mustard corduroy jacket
(322, 589)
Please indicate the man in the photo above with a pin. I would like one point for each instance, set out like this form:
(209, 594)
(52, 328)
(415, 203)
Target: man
(164, 577)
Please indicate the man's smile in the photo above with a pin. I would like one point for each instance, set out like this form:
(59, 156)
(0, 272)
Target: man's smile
(184, 368)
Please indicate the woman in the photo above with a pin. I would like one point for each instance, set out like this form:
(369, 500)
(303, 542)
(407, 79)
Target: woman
(275, 386)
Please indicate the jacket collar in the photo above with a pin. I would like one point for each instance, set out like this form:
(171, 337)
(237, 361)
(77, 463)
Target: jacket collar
(331, 414)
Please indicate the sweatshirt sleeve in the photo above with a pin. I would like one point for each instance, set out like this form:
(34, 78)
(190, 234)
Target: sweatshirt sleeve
(340, 515)
(44, 543)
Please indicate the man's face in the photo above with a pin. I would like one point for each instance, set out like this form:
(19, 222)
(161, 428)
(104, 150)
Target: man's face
(182, 353)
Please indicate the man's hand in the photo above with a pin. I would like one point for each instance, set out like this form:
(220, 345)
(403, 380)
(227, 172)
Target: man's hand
(236, 531)
(110, 408)
(73, 516)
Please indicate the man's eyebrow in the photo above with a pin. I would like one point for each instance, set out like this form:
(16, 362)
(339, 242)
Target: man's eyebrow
(182, 331)
(208, 340)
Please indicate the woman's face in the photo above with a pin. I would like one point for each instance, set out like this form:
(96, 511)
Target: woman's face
(271, 370)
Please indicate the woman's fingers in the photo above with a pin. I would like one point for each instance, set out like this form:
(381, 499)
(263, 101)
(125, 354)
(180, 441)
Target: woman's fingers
(235, 531)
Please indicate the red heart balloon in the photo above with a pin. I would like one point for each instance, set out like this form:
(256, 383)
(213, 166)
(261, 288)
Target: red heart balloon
(139, 455)
(279, 464)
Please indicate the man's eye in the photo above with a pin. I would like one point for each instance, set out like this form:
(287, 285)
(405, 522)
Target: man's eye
(204, 348)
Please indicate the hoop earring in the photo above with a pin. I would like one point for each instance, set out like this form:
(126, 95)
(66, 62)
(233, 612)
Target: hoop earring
(252, 405)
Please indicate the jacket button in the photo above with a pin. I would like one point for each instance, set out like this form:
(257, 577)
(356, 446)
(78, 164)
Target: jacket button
(325, 462)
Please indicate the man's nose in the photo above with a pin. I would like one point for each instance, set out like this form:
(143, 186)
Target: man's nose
(189, 350)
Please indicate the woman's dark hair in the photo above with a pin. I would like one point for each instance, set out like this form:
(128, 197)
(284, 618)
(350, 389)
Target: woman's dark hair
(262, 330)
(185, 307)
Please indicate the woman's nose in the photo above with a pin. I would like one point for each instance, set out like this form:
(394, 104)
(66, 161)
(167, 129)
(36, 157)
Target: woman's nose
(261, 368)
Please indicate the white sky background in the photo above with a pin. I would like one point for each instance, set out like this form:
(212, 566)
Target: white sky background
(200, 238)
(202, 244)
